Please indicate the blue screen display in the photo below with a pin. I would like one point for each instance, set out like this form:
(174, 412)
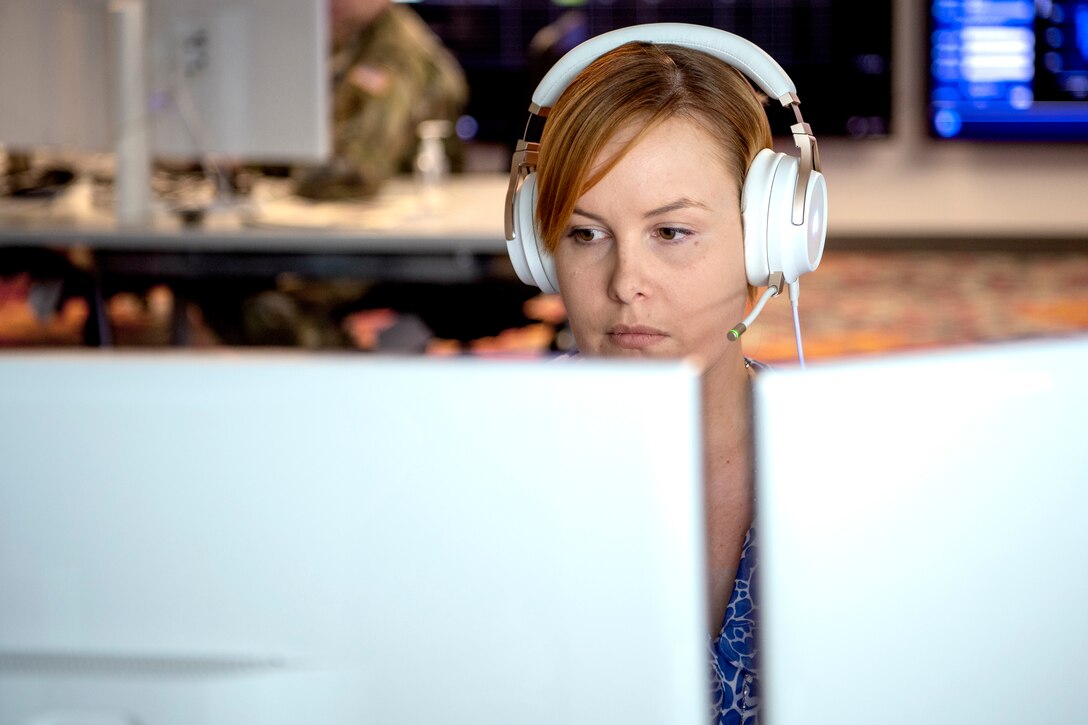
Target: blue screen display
(1008, 70)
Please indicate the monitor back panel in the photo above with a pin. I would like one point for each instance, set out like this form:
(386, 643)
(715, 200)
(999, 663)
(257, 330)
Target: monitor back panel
(923, 538)
(290, 538)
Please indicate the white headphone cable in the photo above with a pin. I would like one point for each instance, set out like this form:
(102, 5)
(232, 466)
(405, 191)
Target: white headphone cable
(795, 292)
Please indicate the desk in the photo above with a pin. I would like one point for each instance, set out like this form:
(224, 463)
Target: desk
(454, 235)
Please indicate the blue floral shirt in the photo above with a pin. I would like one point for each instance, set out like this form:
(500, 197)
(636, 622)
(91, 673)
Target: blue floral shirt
(733, 667)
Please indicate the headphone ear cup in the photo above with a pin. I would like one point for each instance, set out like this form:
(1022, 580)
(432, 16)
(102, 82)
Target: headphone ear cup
(531, 262)
(795, 249)
(755, 204)
(772, 242)
(812, 251)
(514, 247)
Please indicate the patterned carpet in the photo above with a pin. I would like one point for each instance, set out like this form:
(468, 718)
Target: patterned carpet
(870, 302)
(857, 303)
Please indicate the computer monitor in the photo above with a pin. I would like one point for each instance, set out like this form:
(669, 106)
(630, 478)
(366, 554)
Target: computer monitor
(238, 78)
(55, 75)
(290, 538)
(924, 554)
(189, 79)
(1008, 71)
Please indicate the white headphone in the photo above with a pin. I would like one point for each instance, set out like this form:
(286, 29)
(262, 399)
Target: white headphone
(784, 198)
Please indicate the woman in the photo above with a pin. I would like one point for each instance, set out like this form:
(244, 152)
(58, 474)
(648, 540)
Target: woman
(639, 177)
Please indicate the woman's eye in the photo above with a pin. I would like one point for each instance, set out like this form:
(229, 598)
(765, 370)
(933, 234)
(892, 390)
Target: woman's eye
(672, 234)
(583, 235)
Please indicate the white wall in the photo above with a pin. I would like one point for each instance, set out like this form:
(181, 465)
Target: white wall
(909, 185)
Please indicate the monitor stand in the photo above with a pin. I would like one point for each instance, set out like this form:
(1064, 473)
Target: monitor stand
(132, 180)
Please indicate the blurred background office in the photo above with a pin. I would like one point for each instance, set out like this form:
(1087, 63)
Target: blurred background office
(954, 137)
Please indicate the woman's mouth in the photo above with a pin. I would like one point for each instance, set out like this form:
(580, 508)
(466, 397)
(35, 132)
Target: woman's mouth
(635, 337)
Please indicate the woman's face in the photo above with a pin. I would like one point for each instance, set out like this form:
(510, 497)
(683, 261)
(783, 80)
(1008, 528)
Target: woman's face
(651, 263)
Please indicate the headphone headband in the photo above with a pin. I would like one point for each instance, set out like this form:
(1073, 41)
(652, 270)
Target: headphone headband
(738, 52)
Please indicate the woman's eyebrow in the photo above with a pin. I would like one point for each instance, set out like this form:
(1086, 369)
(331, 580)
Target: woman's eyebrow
(681, 203)
(589, 215)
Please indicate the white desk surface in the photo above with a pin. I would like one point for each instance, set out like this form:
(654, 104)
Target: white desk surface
(464, 216)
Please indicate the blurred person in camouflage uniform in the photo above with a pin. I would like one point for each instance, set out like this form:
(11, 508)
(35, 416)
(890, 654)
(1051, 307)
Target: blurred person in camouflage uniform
(389, 72)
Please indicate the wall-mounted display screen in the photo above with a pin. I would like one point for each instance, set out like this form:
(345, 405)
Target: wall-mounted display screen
(843, 75)
(1008, 70)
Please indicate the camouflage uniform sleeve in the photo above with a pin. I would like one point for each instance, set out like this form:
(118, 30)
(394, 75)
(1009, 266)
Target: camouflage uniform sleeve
(401, 75)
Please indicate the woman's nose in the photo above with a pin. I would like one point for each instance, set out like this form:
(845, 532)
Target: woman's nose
(630, 280)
